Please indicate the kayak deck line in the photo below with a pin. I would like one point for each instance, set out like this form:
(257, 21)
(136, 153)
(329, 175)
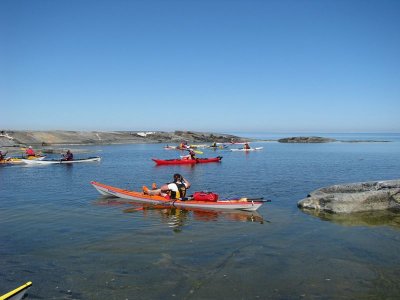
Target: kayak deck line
(240, 204)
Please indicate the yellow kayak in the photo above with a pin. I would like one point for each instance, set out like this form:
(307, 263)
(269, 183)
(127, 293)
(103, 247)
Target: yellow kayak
(18, 293)
(17, 160)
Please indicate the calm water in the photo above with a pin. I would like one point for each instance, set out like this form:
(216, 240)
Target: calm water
(56, 230)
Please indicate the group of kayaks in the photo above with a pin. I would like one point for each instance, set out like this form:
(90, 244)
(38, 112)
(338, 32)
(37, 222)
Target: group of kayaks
(190, 202)
(188, 160)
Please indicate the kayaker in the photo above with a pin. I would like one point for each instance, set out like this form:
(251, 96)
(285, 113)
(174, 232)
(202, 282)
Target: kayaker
(246, 146)
(175, 189)
(68, 156)
(30, 152)
(3, 155)
(192, 154)
(214, 145)
(183, 145)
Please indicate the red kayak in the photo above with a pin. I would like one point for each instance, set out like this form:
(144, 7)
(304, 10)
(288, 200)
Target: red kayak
(186, 161)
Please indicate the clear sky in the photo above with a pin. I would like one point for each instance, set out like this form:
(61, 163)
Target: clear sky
(209, 65)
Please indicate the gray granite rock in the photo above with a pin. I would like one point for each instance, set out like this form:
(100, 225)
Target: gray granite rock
(355, 197)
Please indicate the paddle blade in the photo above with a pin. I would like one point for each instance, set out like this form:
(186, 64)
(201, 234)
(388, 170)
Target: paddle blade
(198, 152)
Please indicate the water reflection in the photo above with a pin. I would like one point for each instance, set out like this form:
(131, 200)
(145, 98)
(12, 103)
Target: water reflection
(177, 218)
(371, 218)
(183, 166)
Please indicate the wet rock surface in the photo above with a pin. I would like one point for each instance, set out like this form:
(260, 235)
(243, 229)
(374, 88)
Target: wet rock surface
(355, 197)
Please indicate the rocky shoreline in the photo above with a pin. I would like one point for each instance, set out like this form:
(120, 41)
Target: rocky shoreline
(60, 137)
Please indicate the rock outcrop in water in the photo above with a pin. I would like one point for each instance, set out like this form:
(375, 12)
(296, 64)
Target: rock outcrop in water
(306, 139)
(355, 197)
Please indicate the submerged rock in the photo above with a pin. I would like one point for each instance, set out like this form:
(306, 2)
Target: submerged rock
(355, 197)
(306, 139)
(365, 218)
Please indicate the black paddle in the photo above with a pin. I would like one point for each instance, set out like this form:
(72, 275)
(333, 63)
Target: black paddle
(258, 199)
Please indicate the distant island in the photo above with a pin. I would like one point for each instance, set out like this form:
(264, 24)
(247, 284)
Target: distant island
(318, 139)
(306, 139)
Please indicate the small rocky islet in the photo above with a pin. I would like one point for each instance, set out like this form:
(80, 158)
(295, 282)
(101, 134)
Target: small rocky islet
(306, 139)
(355, 197)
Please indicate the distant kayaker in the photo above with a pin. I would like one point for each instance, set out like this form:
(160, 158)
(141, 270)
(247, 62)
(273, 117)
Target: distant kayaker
(183, 145)
(175, 189)
(192, 154)
(214, 145)
(30, 152)
(3, 155)
(68, 156)
(246, 146)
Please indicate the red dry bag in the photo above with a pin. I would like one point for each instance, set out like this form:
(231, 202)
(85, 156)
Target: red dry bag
(205, 196)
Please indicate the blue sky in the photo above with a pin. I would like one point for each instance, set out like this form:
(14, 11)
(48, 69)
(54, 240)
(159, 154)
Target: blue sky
(224, 66)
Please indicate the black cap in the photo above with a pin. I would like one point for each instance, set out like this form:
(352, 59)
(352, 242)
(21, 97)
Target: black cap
(177, 177)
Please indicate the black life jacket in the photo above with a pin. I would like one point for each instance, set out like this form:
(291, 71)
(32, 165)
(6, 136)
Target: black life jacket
(181, 193)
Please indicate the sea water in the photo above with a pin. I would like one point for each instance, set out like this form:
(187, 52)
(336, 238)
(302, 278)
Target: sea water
(59, 233)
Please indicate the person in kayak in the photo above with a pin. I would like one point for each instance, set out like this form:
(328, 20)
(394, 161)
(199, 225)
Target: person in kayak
(30, 152)
(175, 189)
(3, 155)
(192, 154)
(68, 156)
(246, 146)
(183, 145)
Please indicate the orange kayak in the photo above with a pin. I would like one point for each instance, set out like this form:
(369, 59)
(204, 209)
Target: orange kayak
(240, 203)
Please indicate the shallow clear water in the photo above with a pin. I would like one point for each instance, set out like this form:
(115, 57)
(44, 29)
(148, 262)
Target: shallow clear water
(56, 230)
